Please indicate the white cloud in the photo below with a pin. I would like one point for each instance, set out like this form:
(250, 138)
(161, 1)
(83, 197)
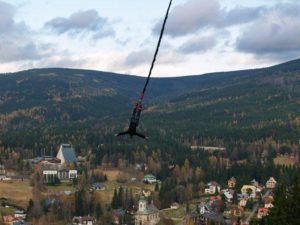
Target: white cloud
(82, 22)
(198, 44)
(276, 34)
(195, 15)
(16, 41)
(190, 17)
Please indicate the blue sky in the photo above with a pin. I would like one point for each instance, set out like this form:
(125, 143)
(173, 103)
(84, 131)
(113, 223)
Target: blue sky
(120, 35)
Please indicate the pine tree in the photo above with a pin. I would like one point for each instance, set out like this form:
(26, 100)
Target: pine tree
(99, 211)
(115, 201)
(187, 207)
(121, 197)
(79, 207)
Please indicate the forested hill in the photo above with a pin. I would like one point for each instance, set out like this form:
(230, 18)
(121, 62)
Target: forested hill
(41, 108)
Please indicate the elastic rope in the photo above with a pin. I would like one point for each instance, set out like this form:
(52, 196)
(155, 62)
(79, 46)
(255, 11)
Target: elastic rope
(156, 51)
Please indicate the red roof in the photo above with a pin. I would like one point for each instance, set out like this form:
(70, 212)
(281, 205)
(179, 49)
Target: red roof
(263, 211)
(215, 198)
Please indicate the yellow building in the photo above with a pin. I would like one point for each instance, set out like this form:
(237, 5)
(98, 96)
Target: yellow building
(231, 182)
(250, 190)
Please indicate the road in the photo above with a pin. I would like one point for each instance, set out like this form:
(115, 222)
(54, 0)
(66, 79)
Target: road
(255, 208)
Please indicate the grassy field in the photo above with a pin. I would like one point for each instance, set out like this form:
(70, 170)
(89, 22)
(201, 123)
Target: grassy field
(7, 211)
(284, 160)
(177, 215)
(19, 192)
(65, 186)
(112, 184)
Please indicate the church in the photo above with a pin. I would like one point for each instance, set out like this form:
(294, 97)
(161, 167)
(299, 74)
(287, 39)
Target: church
(147, 214)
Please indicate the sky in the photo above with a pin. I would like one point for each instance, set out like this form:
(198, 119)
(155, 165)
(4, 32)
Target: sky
(120, 36)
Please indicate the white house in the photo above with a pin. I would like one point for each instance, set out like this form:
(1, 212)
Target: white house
(62, 174)
(268, 205)
(149, 178)
(174, 205)
(20, 214)
(50, 175)
(66, 154)
(212, 187)
(86, 220)
(249, 189)
(271, 183)
(228, 196)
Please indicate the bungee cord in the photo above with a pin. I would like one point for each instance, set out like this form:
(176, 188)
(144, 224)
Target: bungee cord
(135, 117)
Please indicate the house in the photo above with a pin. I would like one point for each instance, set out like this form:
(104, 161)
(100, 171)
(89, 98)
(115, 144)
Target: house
(8, 219)
(146, 192)
(231, 182)
(237, 211)
(271, 183)
(262, 212)
(215, 200)
(204, 208)
(250, 190)
(243, 202)
(268, 205)
(259, 189)
(66, 154)
(117, 214)
(228, 196)
(98, 186)
(66, 174)
(149, 178)
(86, 220)
(241, 196)
(208, 148)
(147, 214)
(20, 214)
(204, 219)
(254, 183)
(53, 175)
(268, 202)
(50, 176)
(174, 205)
(212, 187)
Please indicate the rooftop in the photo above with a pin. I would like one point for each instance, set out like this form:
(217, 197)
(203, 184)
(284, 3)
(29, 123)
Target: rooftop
(68, 153)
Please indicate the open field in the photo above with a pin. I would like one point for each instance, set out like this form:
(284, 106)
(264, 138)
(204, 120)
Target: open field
(107, 194)
(65, 186)
(6, 211)
(284, 161)
(112, 184)
(19, 192)
(177, 215)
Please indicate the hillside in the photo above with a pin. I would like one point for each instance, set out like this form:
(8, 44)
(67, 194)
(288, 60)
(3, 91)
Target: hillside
(41, 108)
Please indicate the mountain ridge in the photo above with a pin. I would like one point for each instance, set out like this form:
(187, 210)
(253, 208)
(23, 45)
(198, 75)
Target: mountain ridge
(260, 103)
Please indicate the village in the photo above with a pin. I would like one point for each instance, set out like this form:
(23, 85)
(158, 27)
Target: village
(57, 180)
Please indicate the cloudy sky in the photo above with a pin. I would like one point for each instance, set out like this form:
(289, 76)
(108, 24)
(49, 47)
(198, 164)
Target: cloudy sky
(120, 35)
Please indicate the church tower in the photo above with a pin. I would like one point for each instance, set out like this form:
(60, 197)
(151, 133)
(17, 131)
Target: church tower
(142, 204)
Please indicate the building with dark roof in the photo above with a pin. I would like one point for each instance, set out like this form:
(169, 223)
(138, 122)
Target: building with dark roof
(66, 154)
(147, 214)
(98, 186)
